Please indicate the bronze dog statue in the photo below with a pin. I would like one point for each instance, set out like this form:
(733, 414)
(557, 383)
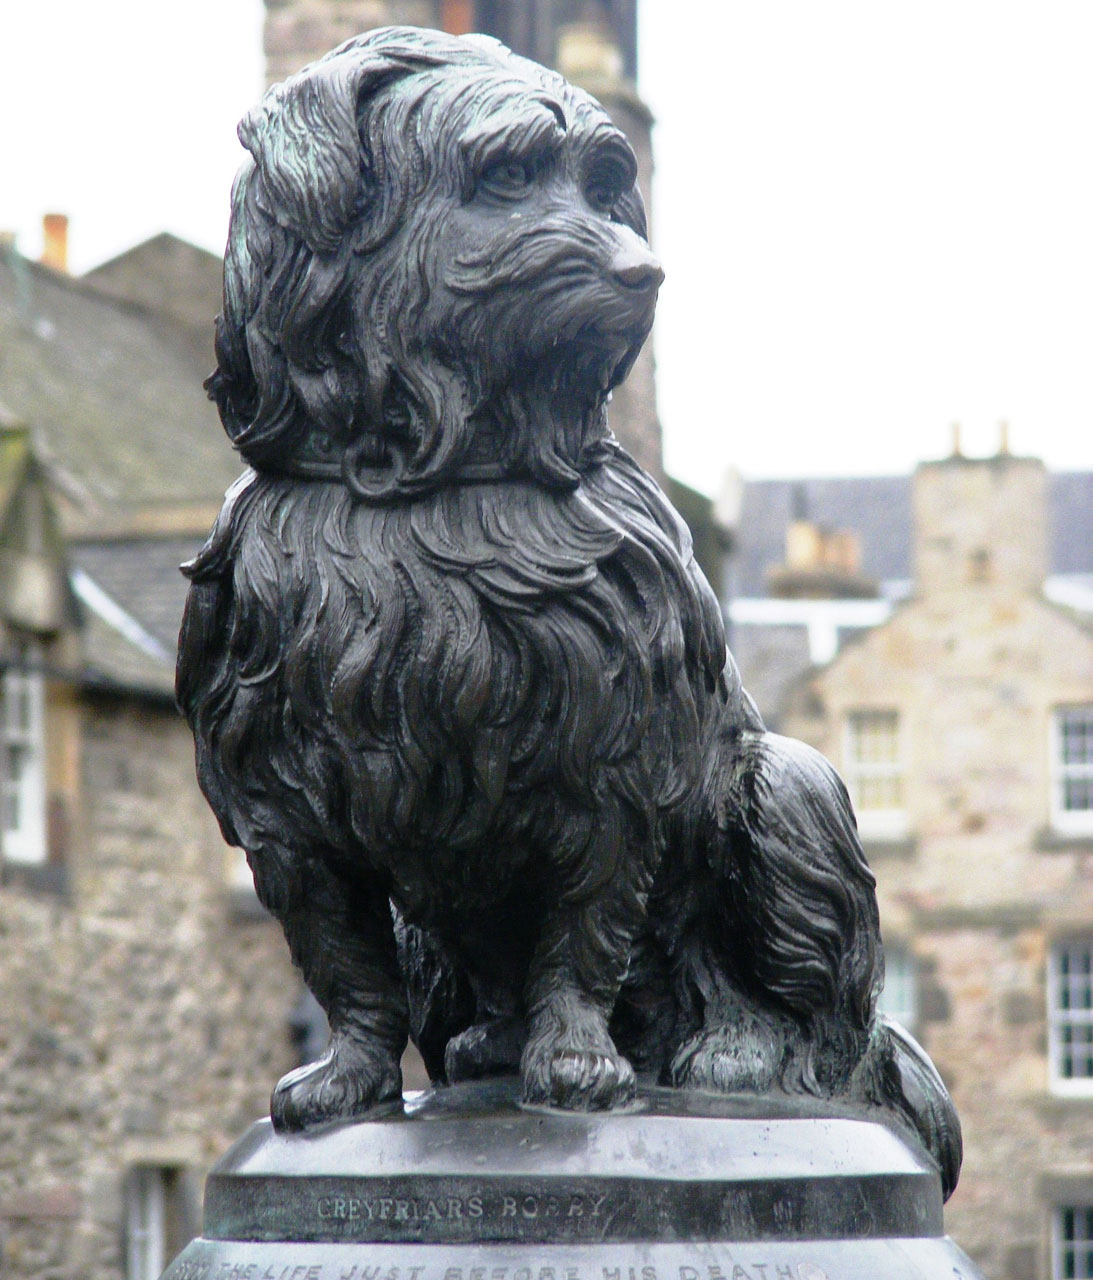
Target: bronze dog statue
(457, 685)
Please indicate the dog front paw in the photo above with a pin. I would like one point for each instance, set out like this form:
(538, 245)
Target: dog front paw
(578, 1069)
(345, 1083)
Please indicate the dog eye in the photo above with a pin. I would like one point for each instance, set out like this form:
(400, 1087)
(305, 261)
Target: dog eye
(507, 178)
(602, 196)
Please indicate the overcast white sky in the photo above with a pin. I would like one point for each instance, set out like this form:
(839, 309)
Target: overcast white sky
(876, 217)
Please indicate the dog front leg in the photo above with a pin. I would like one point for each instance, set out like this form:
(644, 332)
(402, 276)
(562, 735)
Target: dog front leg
(570, 1060)
(341, 936)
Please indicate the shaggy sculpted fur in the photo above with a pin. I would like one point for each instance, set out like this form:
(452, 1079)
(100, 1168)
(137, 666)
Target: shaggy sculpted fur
(457, 685)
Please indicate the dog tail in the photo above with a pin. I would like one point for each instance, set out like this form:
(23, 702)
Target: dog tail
(803, 926)
(802, 889)
(898, 1073)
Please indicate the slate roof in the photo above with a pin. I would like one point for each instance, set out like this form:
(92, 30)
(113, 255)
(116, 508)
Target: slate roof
(879, 509)
(770, 660)
(110, 389)
(170, 277)
(142, 576)
(140, 579)
(112, 393)
(1070, 517)
(113, 662)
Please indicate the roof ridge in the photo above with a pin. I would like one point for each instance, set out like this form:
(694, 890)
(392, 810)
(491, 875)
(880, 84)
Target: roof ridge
(88, 289)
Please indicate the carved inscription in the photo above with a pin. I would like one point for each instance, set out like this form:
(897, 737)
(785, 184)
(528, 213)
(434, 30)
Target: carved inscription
(424, 1210)
(755, 1271)
(749, 1270)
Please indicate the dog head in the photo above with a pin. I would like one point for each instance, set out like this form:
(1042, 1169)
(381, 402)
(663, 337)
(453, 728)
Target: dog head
(436, 268)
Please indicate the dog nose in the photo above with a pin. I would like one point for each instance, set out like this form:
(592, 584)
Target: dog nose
(634, 265)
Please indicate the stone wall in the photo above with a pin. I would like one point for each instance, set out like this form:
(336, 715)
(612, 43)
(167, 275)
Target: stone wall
(144, 1017)
(979, 887)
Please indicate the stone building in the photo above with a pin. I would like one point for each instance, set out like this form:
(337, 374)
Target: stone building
(146, 1000)
(960, 713)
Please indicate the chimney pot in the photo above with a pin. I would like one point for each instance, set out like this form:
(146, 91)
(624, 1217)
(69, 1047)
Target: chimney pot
(55, 241)
(457, 17)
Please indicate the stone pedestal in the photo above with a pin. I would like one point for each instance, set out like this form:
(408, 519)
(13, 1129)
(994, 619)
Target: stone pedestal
(465, 1184)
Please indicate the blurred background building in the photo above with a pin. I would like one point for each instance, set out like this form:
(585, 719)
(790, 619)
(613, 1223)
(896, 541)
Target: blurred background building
(932, 634)
(960, 714)
(145, 1000)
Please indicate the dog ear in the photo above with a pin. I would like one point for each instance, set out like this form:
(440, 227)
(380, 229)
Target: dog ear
(306, 146)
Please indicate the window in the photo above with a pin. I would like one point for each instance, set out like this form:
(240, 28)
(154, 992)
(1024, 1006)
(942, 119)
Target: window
(1072, 1242)
(899, 995)
(1070, 1017)
(874, 772)
(157, 1220)
(145, 1223)
(22, 757)
(1072, 770)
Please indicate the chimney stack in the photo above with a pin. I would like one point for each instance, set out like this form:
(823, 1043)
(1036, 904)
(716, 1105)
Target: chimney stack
(588, 52)
(55, 241)
(980, 521)
(821, 564)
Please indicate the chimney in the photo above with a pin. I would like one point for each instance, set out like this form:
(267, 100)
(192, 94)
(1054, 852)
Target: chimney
(55, 241)
(980, 522)
(457, 17)
(588, 54)
(821, 564)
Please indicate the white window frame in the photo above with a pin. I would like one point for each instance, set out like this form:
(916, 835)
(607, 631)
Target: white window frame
(1060, 1247)
(146, 1222)
(1058, 1018)
(902, 994)
(880, 824)
(1071, 822)
(23, 689)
